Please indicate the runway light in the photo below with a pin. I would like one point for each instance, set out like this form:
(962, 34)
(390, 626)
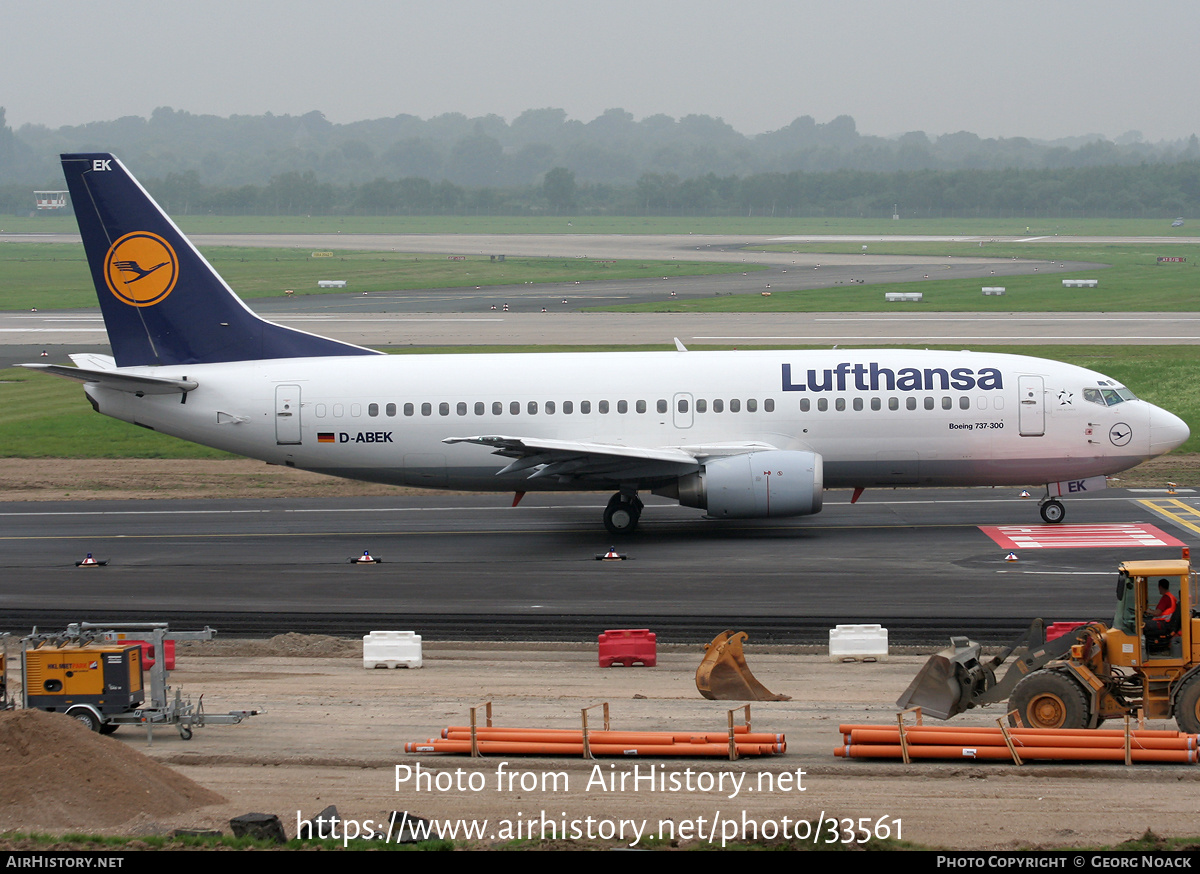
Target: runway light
(1012, 556)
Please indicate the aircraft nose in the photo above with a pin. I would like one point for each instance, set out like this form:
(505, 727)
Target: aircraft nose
(1167, 431)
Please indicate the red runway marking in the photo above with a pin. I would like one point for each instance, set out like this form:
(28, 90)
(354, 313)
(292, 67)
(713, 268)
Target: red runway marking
(1077, 536)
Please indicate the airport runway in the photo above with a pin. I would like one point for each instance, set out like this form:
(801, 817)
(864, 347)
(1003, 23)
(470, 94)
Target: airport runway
(658, 247)
(24, 336)
(457, 565)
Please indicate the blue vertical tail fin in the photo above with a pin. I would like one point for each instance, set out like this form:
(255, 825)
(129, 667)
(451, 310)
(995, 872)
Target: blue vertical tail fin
(162, 302)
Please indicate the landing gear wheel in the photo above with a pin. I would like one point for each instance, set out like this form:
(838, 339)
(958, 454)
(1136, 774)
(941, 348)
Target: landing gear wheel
(622, 514)
(86, 717)
(1187, 706)
(1048, 699)
(1053, 512)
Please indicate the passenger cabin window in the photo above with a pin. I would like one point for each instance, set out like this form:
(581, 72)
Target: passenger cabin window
(585, 407)
(390, 409)
(408, 409)
(568, 408)
(461, 408)
(373, 410)
(662, 405)
(602, 407)
(622, 407)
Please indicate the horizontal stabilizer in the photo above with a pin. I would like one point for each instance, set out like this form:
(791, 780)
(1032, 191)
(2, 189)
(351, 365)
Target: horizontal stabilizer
(117, 381)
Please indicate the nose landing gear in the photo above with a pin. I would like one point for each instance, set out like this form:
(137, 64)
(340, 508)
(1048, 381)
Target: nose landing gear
(1052, 510)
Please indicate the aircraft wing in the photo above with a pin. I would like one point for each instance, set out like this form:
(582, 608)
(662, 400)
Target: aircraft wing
(128, 382)
(572, 459)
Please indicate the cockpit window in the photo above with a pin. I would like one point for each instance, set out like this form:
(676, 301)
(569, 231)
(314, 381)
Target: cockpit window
(1108, 397)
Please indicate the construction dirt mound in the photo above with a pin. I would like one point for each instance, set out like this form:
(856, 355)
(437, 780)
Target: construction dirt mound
(55, 774)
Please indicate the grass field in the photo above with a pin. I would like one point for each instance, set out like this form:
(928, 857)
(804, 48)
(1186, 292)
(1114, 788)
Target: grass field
(46, 417)
(210, 224)
(55, 275)
(1132, 281)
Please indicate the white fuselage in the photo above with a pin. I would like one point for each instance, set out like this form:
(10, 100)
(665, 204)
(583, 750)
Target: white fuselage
(876, 417)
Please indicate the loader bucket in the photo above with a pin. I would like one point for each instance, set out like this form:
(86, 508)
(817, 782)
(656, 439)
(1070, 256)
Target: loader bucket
(724, 676)
(944, 687)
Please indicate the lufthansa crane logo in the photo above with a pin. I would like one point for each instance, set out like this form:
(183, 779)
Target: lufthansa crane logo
(141, 269)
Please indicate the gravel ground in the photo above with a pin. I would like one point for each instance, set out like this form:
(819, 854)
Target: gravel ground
(334, 733)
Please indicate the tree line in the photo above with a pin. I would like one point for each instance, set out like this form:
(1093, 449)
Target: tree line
(544, 163)
(1145, 191)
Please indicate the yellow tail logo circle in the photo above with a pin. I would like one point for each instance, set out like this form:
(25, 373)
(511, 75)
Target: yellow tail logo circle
(141, 269)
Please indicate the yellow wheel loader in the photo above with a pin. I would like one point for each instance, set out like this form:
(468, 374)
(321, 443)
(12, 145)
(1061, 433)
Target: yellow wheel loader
(1143, 662)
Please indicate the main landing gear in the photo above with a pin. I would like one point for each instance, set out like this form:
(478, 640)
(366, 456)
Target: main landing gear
(622, 513)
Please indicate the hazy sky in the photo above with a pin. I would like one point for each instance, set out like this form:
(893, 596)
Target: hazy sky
(1037, 68)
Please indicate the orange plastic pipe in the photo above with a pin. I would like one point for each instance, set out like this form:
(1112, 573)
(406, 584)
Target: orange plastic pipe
(921, 751)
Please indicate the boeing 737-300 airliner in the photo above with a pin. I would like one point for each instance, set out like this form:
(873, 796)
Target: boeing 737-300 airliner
(735, 434)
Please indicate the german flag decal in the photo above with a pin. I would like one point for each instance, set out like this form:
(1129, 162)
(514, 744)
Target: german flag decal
(325, 437)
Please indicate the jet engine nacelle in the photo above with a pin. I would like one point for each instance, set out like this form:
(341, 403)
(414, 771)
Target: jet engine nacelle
(756, 485)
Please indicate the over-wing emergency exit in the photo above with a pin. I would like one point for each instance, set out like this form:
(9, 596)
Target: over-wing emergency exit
(735, 434)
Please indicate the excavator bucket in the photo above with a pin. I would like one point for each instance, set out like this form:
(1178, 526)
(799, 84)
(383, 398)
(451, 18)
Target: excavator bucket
(946, 686)
(724, 676)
